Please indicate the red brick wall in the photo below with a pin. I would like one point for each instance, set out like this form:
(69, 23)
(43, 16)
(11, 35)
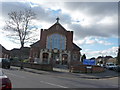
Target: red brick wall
(47, 67)
(98, 69)
(69, 40)
(45, 33)
(82, 68)
(76, 52)
(34, 53)
(60, 30)
(43, 37)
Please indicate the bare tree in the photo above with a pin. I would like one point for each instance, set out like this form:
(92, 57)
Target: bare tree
(19, 25)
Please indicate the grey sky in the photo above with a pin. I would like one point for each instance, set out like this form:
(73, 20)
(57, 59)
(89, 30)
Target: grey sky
(86, 19)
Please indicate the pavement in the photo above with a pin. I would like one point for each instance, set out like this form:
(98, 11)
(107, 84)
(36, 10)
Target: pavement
(65, 73)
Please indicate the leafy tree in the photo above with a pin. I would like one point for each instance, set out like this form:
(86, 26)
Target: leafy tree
(101, 62)
(93, 58)
(108, 57)
(99, 57)
(19, 26)
(83, 57)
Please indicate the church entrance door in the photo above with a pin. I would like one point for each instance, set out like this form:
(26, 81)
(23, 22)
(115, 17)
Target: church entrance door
(45, 58)
(64, 59)
(56, 58)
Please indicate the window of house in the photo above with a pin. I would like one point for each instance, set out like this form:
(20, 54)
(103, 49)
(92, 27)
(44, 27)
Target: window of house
(56, 41)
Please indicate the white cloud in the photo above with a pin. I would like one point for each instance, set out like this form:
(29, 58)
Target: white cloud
(92, 40)
(79, 42)
(108, 52)
(93, 19)
(85, 19)
(103, 42)
(41, 24)
(85, 41)
(7, 43)
(109, 20)
(2, 23)
(38, 1)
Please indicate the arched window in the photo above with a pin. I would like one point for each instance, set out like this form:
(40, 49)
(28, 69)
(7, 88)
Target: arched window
(56, 41)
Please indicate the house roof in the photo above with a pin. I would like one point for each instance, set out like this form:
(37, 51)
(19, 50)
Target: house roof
(18, 49)
(15, 49)
(3, 49)
(75, 47)
(54, 26)
(36, 44)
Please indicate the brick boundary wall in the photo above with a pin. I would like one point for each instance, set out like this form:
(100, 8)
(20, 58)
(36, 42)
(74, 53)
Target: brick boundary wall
(46, 67)
(84, 69)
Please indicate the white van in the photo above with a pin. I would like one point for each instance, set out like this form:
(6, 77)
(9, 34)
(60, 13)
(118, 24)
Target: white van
(110, 65)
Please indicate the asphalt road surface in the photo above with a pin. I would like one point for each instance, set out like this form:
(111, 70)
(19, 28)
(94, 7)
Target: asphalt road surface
(24, 79)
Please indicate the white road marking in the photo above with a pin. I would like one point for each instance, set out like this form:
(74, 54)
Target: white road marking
(15, 75)
(53, 84)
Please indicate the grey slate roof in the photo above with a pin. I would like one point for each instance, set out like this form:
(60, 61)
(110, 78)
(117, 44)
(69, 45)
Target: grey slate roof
(36, 44)
(75, 47)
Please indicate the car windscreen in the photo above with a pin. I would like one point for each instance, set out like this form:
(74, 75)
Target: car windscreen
(110, 64)
(5, 60)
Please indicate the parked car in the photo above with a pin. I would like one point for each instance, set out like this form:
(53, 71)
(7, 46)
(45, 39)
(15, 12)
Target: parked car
(4, 63)
(110, 66)
(117, 69)
(5, 83)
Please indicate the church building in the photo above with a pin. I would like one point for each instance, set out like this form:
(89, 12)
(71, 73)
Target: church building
(55, 46)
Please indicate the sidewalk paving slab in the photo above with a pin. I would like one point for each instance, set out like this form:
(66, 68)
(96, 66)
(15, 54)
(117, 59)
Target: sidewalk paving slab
(66, 73)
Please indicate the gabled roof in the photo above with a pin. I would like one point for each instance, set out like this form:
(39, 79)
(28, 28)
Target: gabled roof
(3, 49)
(15, 49)
(36, 44)
(25, 49)
(57, 25)
(75, 47)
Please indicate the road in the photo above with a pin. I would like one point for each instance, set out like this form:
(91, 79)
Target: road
(24, 79)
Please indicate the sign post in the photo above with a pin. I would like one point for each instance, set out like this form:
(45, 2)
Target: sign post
(89, 63)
